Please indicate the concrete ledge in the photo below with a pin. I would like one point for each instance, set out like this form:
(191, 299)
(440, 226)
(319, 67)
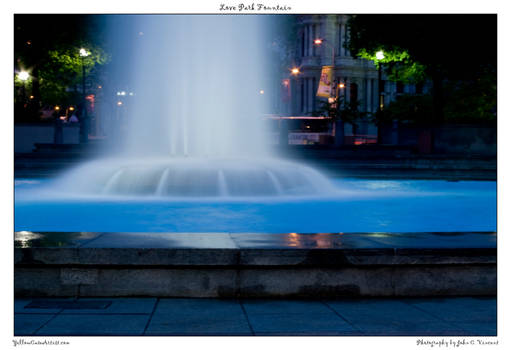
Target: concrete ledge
(254, 265)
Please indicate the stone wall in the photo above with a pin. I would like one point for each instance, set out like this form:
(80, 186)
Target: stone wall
(453, 139)
(254, 265)
(465, 139)
(27, 135)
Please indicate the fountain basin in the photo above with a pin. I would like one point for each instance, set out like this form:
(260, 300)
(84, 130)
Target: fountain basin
(354, 206)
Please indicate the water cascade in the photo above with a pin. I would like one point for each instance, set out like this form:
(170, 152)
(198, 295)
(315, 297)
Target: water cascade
(194, 122)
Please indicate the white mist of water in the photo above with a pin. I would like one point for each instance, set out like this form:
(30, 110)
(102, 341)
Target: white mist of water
(194, 126)
(197, 80)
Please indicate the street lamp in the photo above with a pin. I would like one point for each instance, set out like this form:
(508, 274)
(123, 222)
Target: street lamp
(83, 121)
(380, 56)
(338, 134)
(339, 87)
(23, 76)
(57, 124)
(295, 71)
(319, 42)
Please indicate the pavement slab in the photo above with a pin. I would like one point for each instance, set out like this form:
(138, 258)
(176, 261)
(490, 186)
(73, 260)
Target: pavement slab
(23, 306)
(198, 317)
(175, 324)
(474, 315)
(272, 307)
(436, 316)
(28, 324)
(201, 307)
(461, 309)
(99, 324)
(119, 306)
(391, 317)
(300, 324)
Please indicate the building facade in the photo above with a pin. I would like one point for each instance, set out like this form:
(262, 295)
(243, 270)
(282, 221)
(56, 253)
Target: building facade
(359, 76)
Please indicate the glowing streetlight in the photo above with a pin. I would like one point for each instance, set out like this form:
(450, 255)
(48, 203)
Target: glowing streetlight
(339, 86)
(333, 101)
(379, 56)
(58, 133)
(319, 42)
(295, 71)
(83, 121)
(23, 76)
(119, 103)
(261, 92)
(83, 52)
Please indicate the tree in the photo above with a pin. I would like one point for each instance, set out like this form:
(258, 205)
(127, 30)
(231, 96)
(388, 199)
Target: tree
(48, 47)
(441, 47)
(340, 112)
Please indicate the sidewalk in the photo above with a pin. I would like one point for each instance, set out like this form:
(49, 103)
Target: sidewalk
(453, 316)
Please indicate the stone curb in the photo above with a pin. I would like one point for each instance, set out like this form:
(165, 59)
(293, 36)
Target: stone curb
(289, 265)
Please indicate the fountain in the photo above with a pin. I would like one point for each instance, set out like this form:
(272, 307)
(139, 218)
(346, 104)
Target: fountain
(193, 157)
(175, 206)
(194, 122)
(196, 177)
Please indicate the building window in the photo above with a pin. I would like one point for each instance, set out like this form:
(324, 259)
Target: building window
(314, 36)
(340, 40)
(342, 92)
(306, 95)
(370, 99)
(307, 40)
(419, 88)
(346, 39)
(400, 87)
(313, 94)
(303, 43)
(353, 93)
(302, 95)
(308, 50)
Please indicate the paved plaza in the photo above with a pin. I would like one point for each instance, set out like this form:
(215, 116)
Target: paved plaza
(442, 316)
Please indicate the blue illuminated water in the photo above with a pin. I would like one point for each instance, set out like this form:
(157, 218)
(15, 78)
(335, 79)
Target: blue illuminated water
(360, 206)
